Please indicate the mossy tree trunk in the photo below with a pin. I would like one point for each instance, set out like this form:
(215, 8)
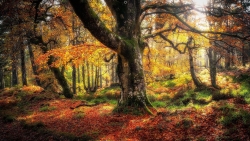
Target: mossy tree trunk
(125, 41)
(59, 75)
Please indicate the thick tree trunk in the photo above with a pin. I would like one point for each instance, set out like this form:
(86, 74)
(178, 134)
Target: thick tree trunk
(196, 81)
(131, 75)
(34, 66)
(23, 67)
(125, 41)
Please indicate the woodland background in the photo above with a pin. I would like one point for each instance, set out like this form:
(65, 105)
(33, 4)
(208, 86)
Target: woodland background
(58, 82)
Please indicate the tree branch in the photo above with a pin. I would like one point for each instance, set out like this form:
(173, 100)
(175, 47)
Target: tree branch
(95, 26)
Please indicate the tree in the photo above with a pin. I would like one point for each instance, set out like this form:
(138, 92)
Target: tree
(126, 42)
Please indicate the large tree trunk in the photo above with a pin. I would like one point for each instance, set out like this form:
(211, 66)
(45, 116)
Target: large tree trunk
(125, 41)
(131, 75)
(196, 81)
(23, 66)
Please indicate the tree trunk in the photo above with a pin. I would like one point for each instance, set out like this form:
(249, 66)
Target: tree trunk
(212, 66)
(100, 75)
(196, 81)
(34, 66)
(125, 41)
(83, 78)
(92, 77)
(228, 59)
(60, 79)
(74, 79)
(23, 66)
(78, 78)
(88, 77)
(2, 82)
(131, 75)
(14, 76)
(245, 49)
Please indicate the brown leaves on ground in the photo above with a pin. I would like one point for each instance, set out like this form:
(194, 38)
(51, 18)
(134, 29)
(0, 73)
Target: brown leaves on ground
(99, 123)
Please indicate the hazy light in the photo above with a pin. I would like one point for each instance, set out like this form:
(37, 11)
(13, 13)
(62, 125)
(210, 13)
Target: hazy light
(200, 17)
(200, 3)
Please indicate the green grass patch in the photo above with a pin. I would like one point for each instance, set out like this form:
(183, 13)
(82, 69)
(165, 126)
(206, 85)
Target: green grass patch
(158, 104)
(46, 108)
(190, 98)
(169, 83)
(233, 116)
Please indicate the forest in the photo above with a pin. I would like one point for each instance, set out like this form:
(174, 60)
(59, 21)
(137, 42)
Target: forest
(125, 70)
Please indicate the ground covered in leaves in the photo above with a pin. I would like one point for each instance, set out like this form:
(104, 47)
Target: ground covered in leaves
(61, 119)
(30, 113)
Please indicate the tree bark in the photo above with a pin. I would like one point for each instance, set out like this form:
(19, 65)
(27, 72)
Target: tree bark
(100, 75)
(59, 75)
(228, 59)
(74, 79)
(2, 82)
(14, 71)
(23, 66)
(34, 66)
(212, 66)
(196, 81)
(126, 42)
(83, 78)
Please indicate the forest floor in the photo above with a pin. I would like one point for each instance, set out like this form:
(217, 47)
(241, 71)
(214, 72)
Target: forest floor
(37, 115)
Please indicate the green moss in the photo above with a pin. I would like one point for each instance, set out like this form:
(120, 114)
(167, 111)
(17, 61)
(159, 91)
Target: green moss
(46, 108)
(159, 104)
(169, 83)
